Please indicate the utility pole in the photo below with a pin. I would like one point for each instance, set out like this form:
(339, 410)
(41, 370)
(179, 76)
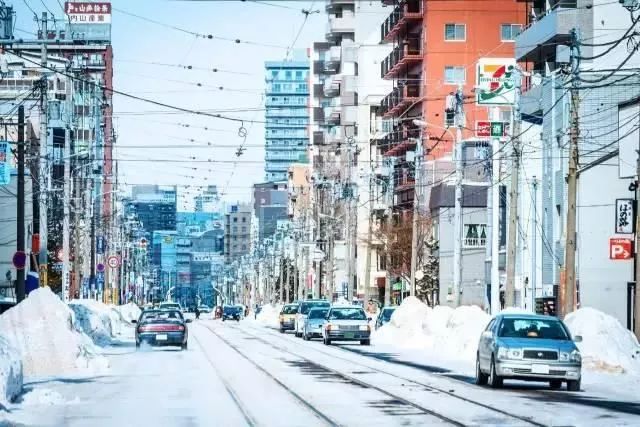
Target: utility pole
(20, 244)
(43, 176)
(66, 247)
(367, 268)
(352, 227)
(513, 197)
(457, 234)
(495, 220)
(286, 275)
(635, 323)
(281, 263)
(572, 181)
(416, 210)
(534, 244)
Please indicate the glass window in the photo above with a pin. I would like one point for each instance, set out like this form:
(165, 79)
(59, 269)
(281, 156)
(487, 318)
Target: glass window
(551, 329)
(454, 75)
(455, 32)
(318, 313)
(274, 74)
(298, 75)
(287, 75)
(289, 309)
(347, 314)
(509, 32)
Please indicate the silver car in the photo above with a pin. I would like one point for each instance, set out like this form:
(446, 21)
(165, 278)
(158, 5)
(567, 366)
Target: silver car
(314, 323)
(303, 311)
(346, 323)
(528, 347)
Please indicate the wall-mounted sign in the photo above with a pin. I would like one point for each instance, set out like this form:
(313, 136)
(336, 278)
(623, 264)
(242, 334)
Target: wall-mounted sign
(620, 249)
(88, 13)
(5, 164)
(625, 218)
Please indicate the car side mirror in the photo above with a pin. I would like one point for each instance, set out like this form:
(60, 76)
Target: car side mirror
(188, 321)
(134, 321)
(577, 338)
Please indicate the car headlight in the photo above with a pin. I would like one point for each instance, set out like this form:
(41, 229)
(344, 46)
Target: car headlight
(575, 356)
(364, 327)
(509, 353)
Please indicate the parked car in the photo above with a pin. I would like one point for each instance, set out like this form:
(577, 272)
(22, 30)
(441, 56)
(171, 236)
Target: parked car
(303, 310)
(346, 323)
(531, 348)
(314, 323)
(287, 317)
(204, 309)
(233, 312)
(162, 328)
(384, 316)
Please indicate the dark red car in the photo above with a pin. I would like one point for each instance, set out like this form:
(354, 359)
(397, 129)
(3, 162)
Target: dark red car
(162, 328)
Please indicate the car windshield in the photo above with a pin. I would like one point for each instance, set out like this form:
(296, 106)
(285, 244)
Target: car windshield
(386, 313)
(172, 306)
(551, 329)
(231, 309)
(290, 309)
(305, 307)
(347, 314)
(161, 316)
(318, 313)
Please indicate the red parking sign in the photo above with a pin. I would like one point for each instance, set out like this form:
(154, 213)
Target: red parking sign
(620, 249)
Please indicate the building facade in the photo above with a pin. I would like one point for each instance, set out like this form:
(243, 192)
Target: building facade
(237, 232)
(287, 114)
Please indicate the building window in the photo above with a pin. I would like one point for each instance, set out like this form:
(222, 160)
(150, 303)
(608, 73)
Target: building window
(274, 74)
(449, 118)
(475, 235)
(244, 229)
(455, 32)
(244, 219)
(244, 247)
(509, 32)
(298, 75)
(454, 75)
(287, 75)
(235, 219)
(235, 229)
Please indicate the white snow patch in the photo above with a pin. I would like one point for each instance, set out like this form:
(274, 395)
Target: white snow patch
(451, 332)
(606, 345)
(10, 372)
(269, 315)
(42, 329)
(95, 319)
(129, 311)
(45, 397)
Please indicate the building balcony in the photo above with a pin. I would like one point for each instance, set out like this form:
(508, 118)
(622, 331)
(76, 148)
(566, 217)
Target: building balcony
(332, 86)
(552, 27)
(332, 113)
(333, 57)
(337, 27)
(401, 58)
(334, 4)
(400, 99)
(399, 141)
(335, 136)
(402, 16)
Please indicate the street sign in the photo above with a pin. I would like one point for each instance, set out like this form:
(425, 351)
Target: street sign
(620, 248)
(495, 81)
(5, 164)
(100, 267)
(19, 260)
(113, 261)
(100, 244)
(624, 216)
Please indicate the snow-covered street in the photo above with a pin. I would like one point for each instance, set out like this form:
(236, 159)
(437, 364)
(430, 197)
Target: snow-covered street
(249, 374)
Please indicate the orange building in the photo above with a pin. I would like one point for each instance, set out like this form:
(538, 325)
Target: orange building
(437, 44)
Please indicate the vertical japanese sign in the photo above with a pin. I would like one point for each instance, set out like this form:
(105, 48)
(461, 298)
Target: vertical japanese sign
(625, 217)
(88, 13)
(5, 163)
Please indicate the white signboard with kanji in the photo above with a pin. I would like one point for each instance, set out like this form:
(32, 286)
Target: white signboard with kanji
(624, 216)
(88, 13)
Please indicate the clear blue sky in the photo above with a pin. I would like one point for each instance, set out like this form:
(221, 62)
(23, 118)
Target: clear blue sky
(137, 44)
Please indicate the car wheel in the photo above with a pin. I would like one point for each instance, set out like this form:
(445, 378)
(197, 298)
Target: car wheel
(137, 344)
(481, 377)
(281, 331)
(184, 346)
(365, 342)
(495, 380)
(555, 384)
(573, 385)
(223, 319)
(305, 336)
(297, 334)
(327, 341)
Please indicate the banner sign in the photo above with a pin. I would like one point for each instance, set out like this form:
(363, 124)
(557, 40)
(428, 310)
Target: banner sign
(5, 164)
(624, 216)
(88, 13)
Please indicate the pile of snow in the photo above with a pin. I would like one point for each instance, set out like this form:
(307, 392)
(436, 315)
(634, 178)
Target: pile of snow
(451, 332)
(45, 397)
(269, 315)
(95, 319)
(129, 311)
(606, 345)
(42, 329)
(10, 372)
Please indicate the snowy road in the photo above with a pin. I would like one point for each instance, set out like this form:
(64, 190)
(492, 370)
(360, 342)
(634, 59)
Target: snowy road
(245, 374)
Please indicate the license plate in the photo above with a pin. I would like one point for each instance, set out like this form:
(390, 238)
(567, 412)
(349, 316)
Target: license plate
(349, 335)
(161, 337)
(539, 369)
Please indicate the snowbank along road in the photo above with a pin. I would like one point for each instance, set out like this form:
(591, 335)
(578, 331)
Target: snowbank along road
(244, 374)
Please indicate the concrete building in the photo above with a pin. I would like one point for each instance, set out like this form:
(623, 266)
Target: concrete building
(541, 48)
(270, 201)
(237, 232)
(474, 220)
(287, 114)
(154, 206)
(208, 200)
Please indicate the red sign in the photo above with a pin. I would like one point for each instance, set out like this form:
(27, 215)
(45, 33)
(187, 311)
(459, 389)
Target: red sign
(483, 129)
(620, 249)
